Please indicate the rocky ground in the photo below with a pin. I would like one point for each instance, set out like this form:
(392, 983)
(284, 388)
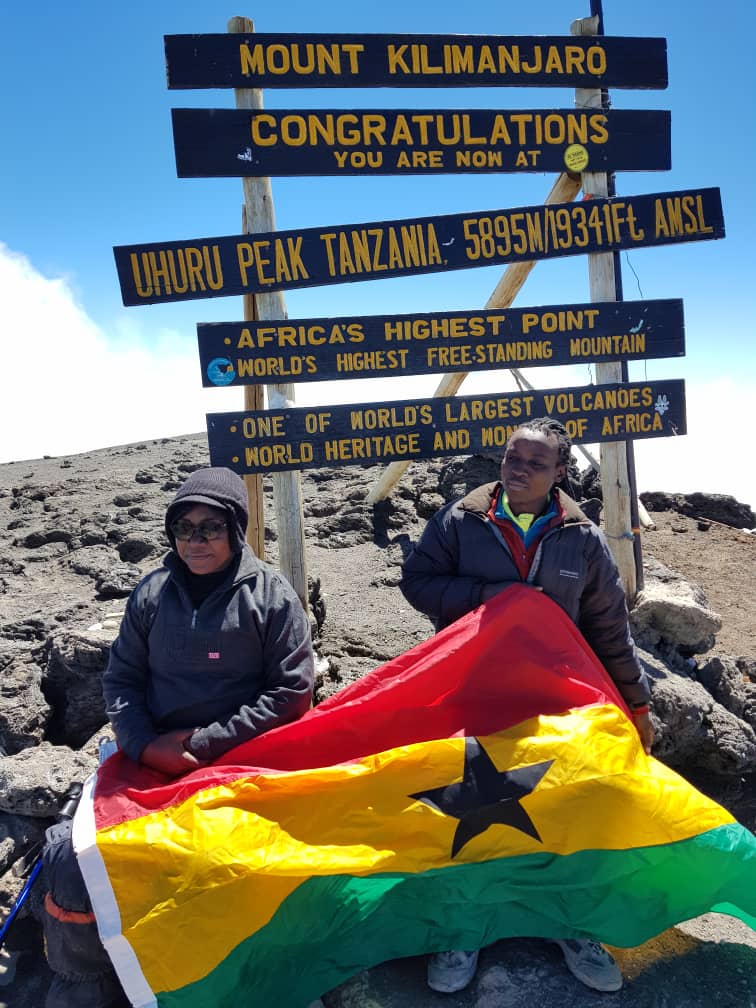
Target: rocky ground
(76, 534)
(722, 560)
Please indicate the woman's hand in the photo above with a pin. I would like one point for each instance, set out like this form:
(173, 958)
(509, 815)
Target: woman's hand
(166, 753)
(645, 729)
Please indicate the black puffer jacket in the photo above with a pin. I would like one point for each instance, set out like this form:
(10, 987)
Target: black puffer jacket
(239, 665)
(461, 551)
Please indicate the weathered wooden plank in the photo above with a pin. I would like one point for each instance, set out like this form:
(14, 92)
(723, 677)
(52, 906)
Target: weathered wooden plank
(603, 275)
(283, 61)
(302, 438)
(279, 260)
(324, 349)
(292, 142)
(287, 491)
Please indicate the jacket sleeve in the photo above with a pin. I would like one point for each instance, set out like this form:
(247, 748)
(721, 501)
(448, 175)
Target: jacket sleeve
(430, 580)
(603, 621)
(124, 682)
(289, 665)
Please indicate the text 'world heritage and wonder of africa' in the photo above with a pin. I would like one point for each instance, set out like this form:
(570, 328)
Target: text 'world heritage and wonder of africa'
(378, 433)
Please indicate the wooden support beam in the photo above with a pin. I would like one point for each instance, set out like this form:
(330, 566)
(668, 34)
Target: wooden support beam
(564, 190)
(254, 400)
(287, 490)
(615, 480)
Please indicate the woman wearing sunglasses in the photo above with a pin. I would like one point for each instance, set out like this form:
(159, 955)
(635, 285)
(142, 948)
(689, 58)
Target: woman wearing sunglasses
(214, 649)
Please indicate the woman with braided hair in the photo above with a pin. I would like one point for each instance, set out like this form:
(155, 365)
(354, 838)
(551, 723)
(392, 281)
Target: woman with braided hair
(525, 529)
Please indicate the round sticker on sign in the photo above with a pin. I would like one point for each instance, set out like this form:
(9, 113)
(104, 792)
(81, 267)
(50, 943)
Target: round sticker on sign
(221, 371)
(576, 158)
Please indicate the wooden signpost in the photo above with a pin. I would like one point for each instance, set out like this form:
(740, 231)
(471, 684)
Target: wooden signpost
(234, 142)
(617, 472)
(283, 260)
(257, 215)
(368, 433)
(324, 349)
(333, 60)
(266, 347)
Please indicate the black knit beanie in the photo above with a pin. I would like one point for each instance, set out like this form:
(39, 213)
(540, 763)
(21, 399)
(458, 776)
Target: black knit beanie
(219, 488)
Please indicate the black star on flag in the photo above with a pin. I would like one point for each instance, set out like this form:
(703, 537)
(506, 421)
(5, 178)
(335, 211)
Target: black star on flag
(486, 796)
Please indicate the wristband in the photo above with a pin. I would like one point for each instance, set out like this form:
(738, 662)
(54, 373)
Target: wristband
(639, 710)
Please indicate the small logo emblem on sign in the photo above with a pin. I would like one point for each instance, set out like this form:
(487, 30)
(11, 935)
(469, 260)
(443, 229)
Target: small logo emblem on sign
(213, 654)
(576, 158)
(221, 371)
(661, 405)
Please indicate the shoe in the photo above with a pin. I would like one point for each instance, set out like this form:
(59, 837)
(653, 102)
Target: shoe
(451, 971)
(591, 964)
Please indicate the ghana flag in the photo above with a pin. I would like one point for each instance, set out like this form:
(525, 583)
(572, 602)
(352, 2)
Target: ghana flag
(487, 783)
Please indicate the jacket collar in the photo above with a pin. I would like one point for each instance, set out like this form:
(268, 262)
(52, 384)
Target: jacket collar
(248, 566)
(478, 501)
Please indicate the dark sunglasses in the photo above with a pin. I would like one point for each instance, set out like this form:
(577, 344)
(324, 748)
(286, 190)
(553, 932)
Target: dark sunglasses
(206, 530)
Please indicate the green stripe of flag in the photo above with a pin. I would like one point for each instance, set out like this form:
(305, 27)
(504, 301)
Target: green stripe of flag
(331, 928)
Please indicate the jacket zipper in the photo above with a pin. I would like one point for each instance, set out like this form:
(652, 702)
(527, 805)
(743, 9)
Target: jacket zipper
(536, 563)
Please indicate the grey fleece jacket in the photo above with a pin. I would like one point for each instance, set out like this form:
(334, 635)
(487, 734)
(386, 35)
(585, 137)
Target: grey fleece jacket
(239, 665)
(461, 551)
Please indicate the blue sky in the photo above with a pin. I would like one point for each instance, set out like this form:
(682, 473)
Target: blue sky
(88, 164)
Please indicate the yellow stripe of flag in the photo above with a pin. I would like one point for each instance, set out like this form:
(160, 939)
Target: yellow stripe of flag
(228, 856)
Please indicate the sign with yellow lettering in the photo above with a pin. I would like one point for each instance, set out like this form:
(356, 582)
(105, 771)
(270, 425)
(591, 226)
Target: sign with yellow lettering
(282, 260)
(307, 61)
(240, 142)
(323, 349)
(378, 433)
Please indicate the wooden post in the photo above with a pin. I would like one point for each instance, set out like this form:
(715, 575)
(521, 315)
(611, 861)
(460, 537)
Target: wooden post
(254, 400)
(614, 475)
(564, 190)
(287, 490)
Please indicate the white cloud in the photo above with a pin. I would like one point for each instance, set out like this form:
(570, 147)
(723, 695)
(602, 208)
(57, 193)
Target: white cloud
(67, 388)
(715, 455)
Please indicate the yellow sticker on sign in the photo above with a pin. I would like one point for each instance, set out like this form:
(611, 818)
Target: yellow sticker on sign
(576, 158)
